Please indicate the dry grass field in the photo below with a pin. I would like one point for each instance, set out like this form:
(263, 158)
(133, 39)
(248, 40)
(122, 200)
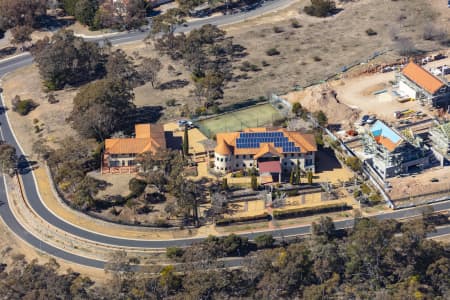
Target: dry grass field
(321, 47)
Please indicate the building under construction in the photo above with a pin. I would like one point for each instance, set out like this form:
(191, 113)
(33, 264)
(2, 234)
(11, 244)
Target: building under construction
(440, 139)
(391, 153)
(417, 83)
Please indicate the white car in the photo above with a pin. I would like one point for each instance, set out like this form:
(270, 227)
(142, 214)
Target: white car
(371, 120)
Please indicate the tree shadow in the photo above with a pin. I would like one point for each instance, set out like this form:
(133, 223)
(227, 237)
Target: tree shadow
(52, 23)
(145, 114)
(239, 51)
(173, 84)
(7, 51)
(24, 166)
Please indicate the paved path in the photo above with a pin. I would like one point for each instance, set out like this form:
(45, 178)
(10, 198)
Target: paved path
(36, 203)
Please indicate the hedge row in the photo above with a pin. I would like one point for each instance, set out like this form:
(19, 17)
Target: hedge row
(228, 221)
(308, 211)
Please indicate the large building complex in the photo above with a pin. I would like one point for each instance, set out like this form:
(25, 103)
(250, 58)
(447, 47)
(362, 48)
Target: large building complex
(391, 153)
(269, 151)
(120, 153)
(417, 83)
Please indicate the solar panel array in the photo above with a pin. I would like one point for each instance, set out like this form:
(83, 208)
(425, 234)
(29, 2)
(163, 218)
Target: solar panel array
(254, 139)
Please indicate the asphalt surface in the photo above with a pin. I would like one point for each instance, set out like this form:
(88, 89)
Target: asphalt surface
(35, 202)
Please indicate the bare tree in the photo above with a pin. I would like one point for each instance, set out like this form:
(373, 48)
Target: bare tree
(149, 70)
(21, 35)
(432, 33)
(405, 46)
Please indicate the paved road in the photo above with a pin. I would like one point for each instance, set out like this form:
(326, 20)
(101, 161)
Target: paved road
(36, 204)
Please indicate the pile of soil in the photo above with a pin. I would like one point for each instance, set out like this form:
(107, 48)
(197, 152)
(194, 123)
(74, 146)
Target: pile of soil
(321, 97)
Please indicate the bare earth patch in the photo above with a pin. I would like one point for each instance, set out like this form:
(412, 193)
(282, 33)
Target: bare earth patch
(321, 98)
(49, 118)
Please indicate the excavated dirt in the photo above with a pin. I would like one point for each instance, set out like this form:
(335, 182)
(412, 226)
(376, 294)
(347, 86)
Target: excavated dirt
(322, 98)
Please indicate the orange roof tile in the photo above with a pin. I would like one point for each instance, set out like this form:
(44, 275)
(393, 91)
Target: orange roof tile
(267, 148)
(387, 143)
(142, 131)
(126, 146)
(422, 78)
(306, 142)
(222, 148)
(149, 137)
(228, 137)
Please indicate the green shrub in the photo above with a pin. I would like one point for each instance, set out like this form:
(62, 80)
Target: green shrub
(52, 99)
(292, 193)
(50, 85)
(254, 182)
(295, 23)
(264, 241)
(137, 187)
(371, 32)
(308, 211)
(278, 29)
(320, 8)
(353, 163)
(365, 189)
(174, 252)
(375, 198)
(23, 107)
(321, 118)
(247, 67)
(171, 102)
(272, 52)
(228, 221)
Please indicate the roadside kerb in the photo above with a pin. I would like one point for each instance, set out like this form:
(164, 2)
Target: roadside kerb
(35, 224)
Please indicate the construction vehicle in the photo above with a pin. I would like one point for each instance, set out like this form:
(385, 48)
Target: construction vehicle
(403, 113)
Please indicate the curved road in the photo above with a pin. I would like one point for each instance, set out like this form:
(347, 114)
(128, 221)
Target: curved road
(36, 203)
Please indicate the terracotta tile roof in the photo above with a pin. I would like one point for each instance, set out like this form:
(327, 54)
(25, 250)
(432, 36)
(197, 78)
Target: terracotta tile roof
(142, 131)
(222, 148)
(385, 136)
(241, 151)
(126, 146)
(228, 137)
(422, 78)
(149, 137)
(267, 148)
(306, 142)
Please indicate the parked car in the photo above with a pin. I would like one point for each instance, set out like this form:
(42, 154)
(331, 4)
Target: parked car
(182, 122)
(371, 119)
(364, 120)
(434, 180)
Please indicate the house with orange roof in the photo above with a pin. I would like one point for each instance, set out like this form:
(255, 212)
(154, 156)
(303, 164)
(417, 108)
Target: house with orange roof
(120, 154)
(417, 83)
(390, 153)
(273, 152)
